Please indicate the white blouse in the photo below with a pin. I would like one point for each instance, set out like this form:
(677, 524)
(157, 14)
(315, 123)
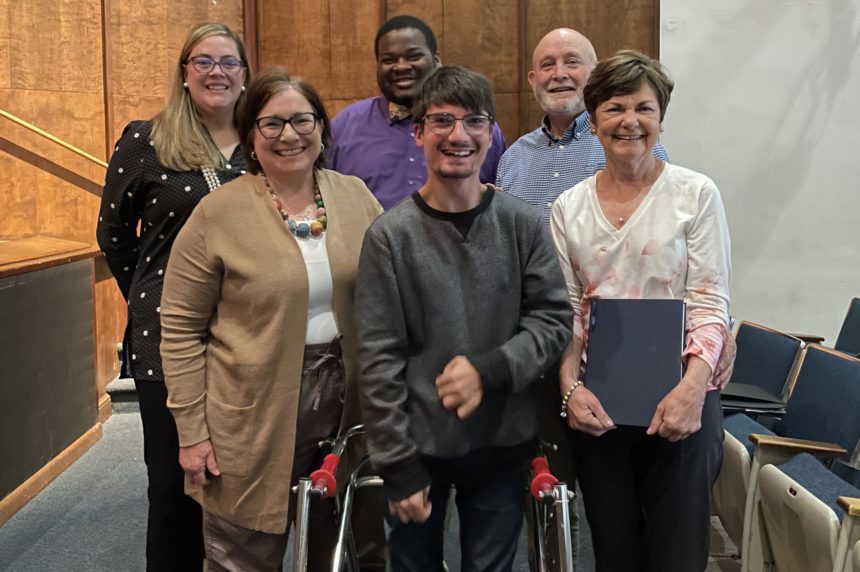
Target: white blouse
(321, 324)
(675, 245)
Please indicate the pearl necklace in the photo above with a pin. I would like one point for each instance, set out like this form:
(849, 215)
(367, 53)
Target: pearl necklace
(211, 177)
(301, 228)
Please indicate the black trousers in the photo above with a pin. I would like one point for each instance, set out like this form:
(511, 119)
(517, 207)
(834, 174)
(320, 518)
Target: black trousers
(174, 530)
(648, 500)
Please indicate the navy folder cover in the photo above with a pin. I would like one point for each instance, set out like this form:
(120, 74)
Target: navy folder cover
(634, 356)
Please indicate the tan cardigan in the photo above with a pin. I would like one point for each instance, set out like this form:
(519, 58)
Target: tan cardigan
(234, 314)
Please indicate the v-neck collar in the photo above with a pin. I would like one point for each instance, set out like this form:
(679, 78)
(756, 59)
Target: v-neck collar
(637, 214)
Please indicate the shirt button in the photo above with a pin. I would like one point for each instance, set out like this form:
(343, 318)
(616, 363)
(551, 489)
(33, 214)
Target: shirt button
(411, 159)
(549, 205)
(561, 146)
(555, 175)
(227, 166)
(410, 182)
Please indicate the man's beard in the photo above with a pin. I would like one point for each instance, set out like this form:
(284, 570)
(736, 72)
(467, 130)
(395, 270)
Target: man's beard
(553, 103)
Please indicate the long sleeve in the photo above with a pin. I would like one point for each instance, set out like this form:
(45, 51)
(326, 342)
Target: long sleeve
(383, 351)
(569, 265)
(191, 290)
(120, 208)
(545, 316)
(708, 277)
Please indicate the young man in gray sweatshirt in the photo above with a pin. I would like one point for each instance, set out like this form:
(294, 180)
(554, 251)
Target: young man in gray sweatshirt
(461, 306)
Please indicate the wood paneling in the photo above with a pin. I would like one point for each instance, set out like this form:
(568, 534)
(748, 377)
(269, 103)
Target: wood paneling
(353, 63)
(508, 112)
(55, 45)
(431, 11)
(295, 34)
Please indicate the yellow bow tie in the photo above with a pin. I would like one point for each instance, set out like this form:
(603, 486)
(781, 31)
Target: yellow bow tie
(397, 112)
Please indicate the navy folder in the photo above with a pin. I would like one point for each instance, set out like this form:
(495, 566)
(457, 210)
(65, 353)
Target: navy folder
(634, 355)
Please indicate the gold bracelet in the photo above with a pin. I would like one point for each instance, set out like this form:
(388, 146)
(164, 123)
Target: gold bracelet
(567, 395)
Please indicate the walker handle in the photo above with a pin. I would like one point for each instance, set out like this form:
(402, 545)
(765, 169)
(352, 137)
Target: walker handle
(542, 481)
(323, 479)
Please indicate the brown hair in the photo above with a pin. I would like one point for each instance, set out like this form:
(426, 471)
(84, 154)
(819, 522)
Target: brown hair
(623, 74)
(456, 85)
(180, 139)
(258, 95)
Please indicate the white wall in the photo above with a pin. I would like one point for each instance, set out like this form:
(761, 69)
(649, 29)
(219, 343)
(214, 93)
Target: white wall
(767, 103)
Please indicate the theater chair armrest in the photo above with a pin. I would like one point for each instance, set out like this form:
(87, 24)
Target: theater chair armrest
(819, 449)
(851, 506)
(809, 338)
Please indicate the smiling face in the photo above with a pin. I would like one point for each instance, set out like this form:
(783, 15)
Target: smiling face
(214, 92)
(457, 154)
(628, 125)
(561, 64)
(403, 62)
(291, 153)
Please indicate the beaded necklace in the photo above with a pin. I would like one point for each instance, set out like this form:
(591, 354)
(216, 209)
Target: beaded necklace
(211, 177)
(301, 228)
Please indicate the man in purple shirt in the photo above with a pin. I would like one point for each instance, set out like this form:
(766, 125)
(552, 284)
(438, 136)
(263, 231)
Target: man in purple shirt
(373, 139)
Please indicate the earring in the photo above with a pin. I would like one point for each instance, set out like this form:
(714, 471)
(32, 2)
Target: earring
(661, 128)
(253, 155)
(185, 84)
(243, 88)
(593, 131)
(322, 147)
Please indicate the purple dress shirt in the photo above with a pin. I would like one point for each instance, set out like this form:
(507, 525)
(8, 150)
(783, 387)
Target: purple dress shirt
(380, 151)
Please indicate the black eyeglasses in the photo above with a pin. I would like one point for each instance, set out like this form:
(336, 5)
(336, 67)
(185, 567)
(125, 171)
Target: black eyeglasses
(272, 126)
(205, 64)
(442, 123)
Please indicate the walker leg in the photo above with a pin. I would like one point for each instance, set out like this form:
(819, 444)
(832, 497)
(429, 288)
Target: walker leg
(538, 511)
(300, 549)
(337, 561)
(562, 515)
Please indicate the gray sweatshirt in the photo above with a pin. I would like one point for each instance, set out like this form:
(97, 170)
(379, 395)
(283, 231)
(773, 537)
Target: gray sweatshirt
(485, 284)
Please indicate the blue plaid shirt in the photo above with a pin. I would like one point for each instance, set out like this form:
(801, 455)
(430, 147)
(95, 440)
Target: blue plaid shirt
(538, 167)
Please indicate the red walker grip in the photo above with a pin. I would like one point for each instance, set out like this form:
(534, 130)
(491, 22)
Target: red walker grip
(323, 478)
(543, 481)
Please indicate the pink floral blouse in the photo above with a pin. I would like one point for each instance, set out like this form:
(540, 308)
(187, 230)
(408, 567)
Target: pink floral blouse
(675, 245)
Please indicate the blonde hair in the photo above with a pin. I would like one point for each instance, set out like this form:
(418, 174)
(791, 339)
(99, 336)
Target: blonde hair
(179, 137)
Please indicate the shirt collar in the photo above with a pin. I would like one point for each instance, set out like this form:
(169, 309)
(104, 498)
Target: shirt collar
(385, 108)
(577, 128)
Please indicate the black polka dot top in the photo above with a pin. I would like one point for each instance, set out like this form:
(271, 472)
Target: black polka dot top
(141, 194)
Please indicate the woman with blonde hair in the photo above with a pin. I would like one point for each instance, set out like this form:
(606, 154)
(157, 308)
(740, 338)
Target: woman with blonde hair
(159, 171)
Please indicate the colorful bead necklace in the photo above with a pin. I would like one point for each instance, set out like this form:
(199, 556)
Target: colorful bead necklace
(303, 228)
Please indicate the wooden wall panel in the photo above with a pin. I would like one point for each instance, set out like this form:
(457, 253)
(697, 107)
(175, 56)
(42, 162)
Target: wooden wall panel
(431, 11)
(352, 55)
(5, 41)
(295, 34)
(60, 52)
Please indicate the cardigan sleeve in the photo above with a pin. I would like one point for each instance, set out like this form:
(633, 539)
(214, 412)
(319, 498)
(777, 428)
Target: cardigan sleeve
(708, 277)
(191, 290)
